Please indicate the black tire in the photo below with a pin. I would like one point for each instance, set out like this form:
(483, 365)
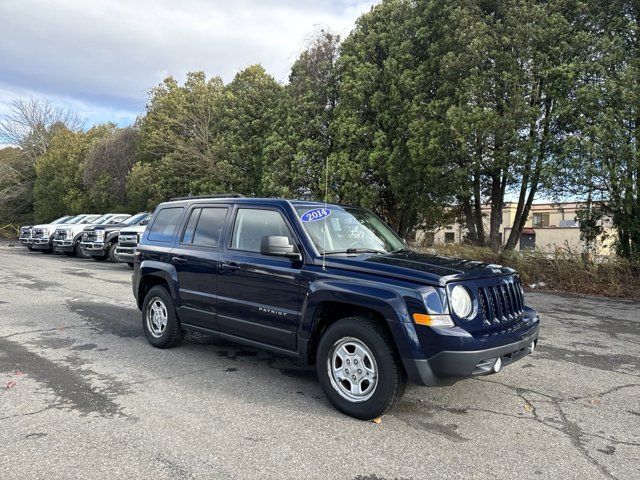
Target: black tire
(79, 252)
(130, 264)
(30, 248)
(172, 334)
(111, 255)
(391, 377)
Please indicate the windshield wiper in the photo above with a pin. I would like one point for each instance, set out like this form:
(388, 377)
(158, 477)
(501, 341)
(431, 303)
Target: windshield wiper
(356, 250)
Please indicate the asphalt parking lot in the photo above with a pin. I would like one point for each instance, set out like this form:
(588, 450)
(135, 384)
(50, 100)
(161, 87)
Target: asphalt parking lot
(83, 395)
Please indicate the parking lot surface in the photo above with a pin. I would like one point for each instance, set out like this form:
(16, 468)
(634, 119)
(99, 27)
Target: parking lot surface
(83, 395)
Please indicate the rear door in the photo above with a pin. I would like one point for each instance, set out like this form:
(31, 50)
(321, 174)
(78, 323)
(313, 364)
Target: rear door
(196, 258)
(259, 295)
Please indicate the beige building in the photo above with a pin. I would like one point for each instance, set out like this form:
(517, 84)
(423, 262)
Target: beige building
(550, 226)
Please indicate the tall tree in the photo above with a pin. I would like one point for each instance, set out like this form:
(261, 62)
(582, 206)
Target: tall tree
(374, 163)
(28, 125)
(59, 187)
(297, 151)
(247, 119)
(605, 117)
(178, 134)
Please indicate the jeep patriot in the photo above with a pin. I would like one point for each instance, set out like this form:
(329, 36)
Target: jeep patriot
(329, 285)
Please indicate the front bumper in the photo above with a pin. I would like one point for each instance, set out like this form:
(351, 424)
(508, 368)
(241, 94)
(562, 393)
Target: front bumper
(446, 367)
(125, 254)
(93, 248)
(25, 240)
(40, 243)
(64, 245)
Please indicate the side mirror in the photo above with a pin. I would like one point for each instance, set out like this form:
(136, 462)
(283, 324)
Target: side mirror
(278, 246)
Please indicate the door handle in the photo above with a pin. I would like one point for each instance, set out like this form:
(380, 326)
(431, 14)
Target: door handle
(229, 266)
(178, 260)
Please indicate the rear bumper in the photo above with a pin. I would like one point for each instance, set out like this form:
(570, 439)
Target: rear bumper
(446, 367)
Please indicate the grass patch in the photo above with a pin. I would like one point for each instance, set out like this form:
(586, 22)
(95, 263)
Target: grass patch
(563, 271)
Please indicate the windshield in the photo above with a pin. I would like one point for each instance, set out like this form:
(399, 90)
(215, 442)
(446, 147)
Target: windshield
(60, 220)
(74, 220)
(137, 218)
(90, 219)
(102, 219)
(348, 230)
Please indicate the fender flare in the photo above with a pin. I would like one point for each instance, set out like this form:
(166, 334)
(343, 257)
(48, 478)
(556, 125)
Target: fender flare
(110, 236)
(388, 303)
(164, 271)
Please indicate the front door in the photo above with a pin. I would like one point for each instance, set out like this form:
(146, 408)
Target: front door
(259, 295)
(196, 258)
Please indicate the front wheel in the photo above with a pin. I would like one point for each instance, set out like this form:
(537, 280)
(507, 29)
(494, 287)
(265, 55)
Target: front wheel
(112, 252)
(359, 369)
(159, 320)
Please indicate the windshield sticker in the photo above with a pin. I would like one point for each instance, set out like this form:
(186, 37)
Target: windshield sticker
(315, 215)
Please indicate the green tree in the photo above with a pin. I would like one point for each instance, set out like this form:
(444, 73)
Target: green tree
(179, 134)
(297, 151)
(59, 187)
(247, 116)
(374, 162)
(604, 157)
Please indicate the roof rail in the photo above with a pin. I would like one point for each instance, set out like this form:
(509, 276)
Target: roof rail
(213, 195)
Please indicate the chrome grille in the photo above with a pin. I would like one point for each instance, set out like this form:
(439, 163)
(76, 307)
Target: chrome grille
(502, 302)
(89, 237)
(37, 233)
(60, 234)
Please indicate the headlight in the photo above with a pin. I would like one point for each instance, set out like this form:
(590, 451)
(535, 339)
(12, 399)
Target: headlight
(461, 302)
(45, 232)
(139, 237)
(100, 235)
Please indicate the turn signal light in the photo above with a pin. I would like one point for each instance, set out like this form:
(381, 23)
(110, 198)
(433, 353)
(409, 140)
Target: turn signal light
(433, 320)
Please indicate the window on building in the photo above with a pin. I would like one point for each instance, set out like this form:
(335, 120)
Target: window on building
(540, 220)
(449, 237)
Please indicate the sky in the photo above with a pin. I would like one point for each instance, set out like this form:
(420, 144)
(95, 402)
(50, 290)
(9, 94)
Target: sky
(101, 57)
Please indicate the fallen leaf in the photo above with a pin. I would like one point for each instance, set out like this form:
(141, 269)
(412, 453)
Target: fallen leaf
(11, 384)
(377, 421)
(528, 407)
(18, 373)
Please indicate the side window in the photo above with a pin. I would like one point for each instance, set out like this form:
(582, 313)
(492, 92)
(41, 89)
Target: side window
(187, 236)
(165, 224)
(209, 227)
(253, 224)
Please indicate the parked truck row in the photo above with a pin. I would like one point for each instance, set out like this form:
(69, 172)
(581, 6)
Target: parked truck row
(110, 237)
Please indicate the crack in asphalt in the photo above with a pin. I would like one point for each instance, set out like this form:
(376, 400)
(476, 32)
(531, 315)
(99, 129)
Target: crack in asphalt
(567, 427)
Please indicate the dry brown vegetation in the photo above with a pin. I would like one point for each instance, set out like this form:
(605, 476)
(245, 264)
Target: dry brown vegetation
(563, 271)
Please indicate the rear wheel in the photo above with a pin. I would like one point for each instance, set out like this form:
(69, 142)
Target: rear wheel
(359, 369)
(159, 320)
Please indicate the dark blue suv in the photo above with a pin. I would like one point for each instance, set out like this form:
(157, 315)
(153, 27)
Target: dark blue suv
(331, 285)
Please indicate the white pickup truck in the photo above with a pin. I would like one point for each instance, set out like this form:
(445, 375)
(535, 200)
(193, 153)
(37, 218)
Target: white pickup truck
(67, 238)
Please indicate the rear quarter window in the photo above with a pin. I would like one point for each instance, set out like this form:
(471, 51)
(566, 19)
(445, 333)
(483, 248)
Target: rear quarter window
(165, 225)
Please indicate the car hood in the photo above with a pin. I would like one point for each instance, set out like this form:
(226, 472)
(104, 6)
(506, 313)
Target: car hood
(108, 228)
(45, 225)
(134, 229)
(420, 267)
